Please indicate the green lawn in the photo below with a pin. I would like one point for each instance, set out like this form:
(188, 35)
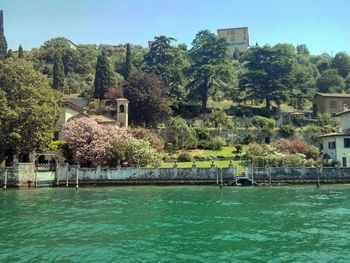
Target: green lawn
(225, 152)
(204, 164)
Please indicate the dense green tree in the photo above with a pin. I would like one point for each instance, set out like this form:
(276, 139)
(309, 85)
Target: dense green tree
(210, 70)
(268, 74)
(127, 66)
(166, 62)
(58, 72)
(147, 96)
(29, 109)
(322, 62)
(20, 52)
(180, 135)
(341, 62)
(103, 81)
(3, 42)
(305, 75)
(330, 81)
(9, 53)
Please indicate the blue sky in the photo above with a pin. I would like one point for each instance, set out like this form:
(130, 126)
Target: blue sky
(322, 25)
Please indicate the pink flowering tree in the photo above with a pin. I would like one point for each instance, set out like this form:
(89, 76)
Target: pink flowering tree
(89, 141)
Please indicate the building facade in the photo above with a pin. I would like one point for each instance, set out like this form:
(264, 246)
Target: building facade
(330, 102)
(236, 38)
(336, 146)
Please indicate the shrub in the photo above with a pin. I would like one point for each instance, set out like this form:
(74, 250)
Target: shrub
(299, 146)
(134, 152)
(219, 118)
(145, 134)
(199, 157)
(89, 141)
(180, 135)
(249, 138)
(217, 143)
(282, 145)
(254, 149)
(202, 133)
(287, 131)
(184, 157)
(265, 124)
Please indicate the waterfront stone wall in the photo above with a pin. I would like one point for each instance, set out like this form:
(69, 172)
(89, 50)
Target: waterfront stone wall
(266, 175)
(144, 175)
(24, 175)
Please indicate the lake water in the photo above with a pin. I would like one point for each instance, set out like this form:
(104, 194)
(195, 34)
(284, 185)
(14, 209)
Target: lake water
(176, 224)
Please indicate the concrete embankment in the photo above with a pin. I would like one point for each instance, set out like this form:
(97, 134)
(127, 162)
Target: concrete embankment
(26, 175)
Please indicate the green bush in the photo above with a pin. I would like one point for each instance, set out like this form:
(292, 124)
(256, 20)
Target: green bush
(249, 138)
(184, 157)
(217, 143)
(202, 133)
(199, 157)
(265, 124)
(287, 131)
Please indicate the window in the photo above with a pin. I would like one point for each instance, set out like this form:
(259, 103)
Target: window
(331, 145)
(121, 109)
(346, 142)
(333, 104)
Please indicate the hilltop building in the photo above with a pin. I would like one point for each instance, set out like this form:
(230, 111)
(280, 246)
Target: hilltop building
(236, 38)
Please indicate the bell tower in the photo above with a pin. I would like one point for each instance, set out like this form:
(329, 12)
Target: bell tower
(123, 112)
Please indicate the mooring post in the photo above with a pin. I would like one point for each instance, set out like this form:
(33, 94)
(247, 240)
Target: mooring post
(77, 178)
(252, 174)
(56, 174)
(221, 181)
(35, 177)
(269, 171)
(319, 174)
(5, 180)
(66, 169)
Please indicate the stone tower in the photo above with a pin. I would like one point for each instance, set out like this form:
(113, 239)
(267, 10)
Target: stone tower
(123, 112)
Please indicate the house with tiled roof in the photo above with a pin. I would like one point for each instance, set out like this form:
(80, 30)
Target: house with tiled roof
(330, 102)
(336, 146)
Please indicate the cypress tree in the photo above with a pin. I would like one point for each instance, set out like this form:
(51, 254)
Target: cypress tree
(20, 52)
(58, 71)
(102, 81)
(3, 42)
(9, 53)
(128, 64)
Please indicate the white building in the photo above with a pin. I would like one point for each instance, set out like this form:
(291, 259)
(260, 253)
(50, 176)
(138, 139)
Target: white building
(337, 145)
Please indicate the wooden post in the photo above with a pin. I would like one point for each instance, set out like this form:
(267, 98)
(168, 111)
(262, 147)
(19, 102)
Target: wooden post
(66, 169)
(252, 174)
(320, 173)
(35, 177)
(56, 174)
(221, 180)
(77, 178)
(5, 180)
(217, 176)
(269, 171)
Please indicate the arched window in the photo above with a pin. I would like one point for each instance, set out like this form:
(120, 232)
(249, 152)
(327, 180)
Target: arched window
(121, 109)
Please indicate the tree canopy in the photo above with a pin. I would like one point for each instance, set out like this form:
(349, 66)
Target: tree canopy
(147, 95)
(29, 109)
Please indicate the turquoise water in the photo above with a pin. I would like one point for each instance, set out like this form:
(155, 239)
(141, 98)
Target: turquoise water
(176, 224)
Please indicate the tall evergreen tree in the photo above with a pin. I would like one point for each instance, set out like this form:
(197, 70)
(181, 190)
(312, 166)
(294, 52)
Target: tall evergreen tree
(128, 63)
(3, 42)
(9, 53)
(20, 52)
(127, 66)
(58, 71)
(103, 80)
